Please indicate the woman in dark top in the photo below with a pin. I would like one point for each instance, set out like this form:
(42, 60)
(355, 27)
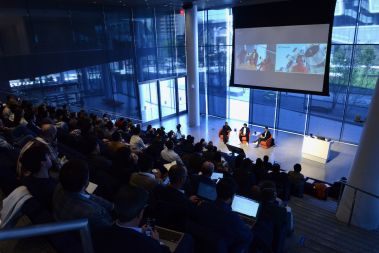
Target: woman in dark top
(36, 163)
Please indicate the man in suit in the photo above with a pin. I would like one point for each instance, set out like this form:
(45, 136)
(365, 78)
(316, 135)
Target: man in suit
(126, 235)
(71, 201)
(171, 206)
(204, 177)
(221, 229)
(225, 132)
(244, 132)
(264, 136)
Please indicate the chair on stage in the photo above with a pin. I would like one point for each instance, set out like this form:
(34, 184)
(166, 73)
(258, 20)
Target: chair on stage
(267, 143)
(221, 136)
(244, 139)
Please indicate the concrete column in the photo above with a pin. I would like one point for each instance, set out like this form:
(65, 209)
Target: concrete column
(192, 65)
(364, 174)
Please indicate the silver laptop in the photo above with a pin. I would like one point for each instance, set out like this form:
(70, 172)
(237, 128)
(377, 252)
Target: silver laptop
(170, 238)
(246, 208)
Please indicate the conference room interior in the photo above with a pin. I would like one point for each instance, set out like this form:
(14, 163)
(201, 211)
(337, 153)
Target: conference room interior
(128, 59)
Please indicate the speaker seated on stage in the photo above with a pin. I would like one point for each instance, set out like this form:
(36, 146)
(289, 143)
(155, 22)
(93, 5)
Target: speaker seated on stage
(225, 132)
(244, 134)
(265, 136)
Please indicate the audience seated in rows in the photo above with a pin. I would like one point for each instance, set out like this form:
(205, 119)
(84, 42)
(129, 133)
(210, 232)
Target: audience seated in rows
(112, 156)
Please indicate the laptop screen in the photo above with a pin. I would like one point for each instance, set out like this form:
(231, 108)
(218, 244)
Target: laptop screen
(216, 175)
(245, 206)
(207, 191)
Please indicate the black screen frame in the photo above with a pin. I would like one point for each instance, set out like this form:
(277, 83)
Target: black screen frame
(290, 13)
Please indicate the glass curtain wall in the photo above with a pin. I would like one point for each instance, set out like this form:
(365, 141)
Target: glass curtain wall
(105, 58)
(354, 70)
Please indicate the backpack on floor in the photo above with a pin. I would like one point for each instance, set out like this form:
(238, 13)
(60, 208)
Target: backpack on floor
(320, 191)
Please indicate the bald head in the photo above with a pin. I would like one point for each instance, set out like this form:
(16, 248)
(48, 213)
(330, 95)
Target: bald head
(207, 168)
(48, 132)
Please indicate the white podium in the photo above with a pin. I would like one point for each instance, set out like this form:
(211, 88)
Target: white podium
(315, 149)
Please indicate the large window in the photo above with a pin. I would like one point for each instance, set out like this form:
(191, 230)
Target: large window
(354, 70)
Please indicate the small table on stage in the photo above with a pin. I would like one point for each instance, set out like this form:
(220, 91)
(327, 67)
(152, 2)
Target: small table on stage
(316, 149)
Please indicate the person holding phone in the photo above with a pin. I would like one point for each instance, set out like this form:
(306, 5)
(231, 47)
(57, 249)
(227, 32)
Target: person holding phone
(127, 234)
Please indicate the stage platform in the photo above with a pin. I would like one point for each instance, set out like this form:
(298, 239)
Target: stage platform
(287, 151)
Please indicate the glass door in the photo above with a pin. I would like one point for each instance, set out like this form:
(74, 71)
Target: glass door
(149, 101)
(182, 99)
(167, 97)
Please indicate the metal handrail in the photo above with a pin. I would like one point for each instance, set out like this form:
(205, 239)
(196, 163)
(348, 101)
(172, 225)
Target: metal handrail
(356, 189)
(359, 189)
(52, 228)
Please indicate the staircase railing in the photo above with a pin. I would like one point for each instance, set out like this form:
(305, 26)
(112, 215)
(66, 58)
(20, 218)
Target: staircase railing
(51, 228)
(356, 190)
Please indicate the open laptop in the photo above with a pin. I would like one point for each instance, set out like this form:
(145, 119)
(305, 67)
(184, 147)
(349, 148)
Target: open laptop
(246, 208)
(217, 175)
(170, 238)
(235, 150)
(206, 191)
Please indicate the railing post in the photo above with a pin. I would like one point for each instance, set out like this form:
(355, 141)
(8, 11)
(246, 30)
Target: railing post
(352, 207)
(85, 235)
(342, 188)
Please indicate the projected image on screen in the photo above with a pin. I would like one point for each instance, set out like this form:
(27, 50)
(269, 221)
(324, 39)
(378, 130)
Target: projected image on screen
(281, 57)
(301, 58)
(252, 57)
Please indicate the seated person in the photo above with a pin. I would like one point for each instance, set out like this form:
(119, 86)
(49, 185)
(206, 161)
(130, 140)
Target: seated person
(37, 162)
(126, 235)
(48, 137)
(272, 222)
(171, 206)
(195, 159)
(281, 181)
(296, 180)
(225, 132)
(263, 137)
(245, 177)
(223, 226)
(244, 132)
(115, 143)
(71, 201)
(144, 179)
(206, 172)
(169, 155)
(136, 142)
(295, 176)
(266, 164)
